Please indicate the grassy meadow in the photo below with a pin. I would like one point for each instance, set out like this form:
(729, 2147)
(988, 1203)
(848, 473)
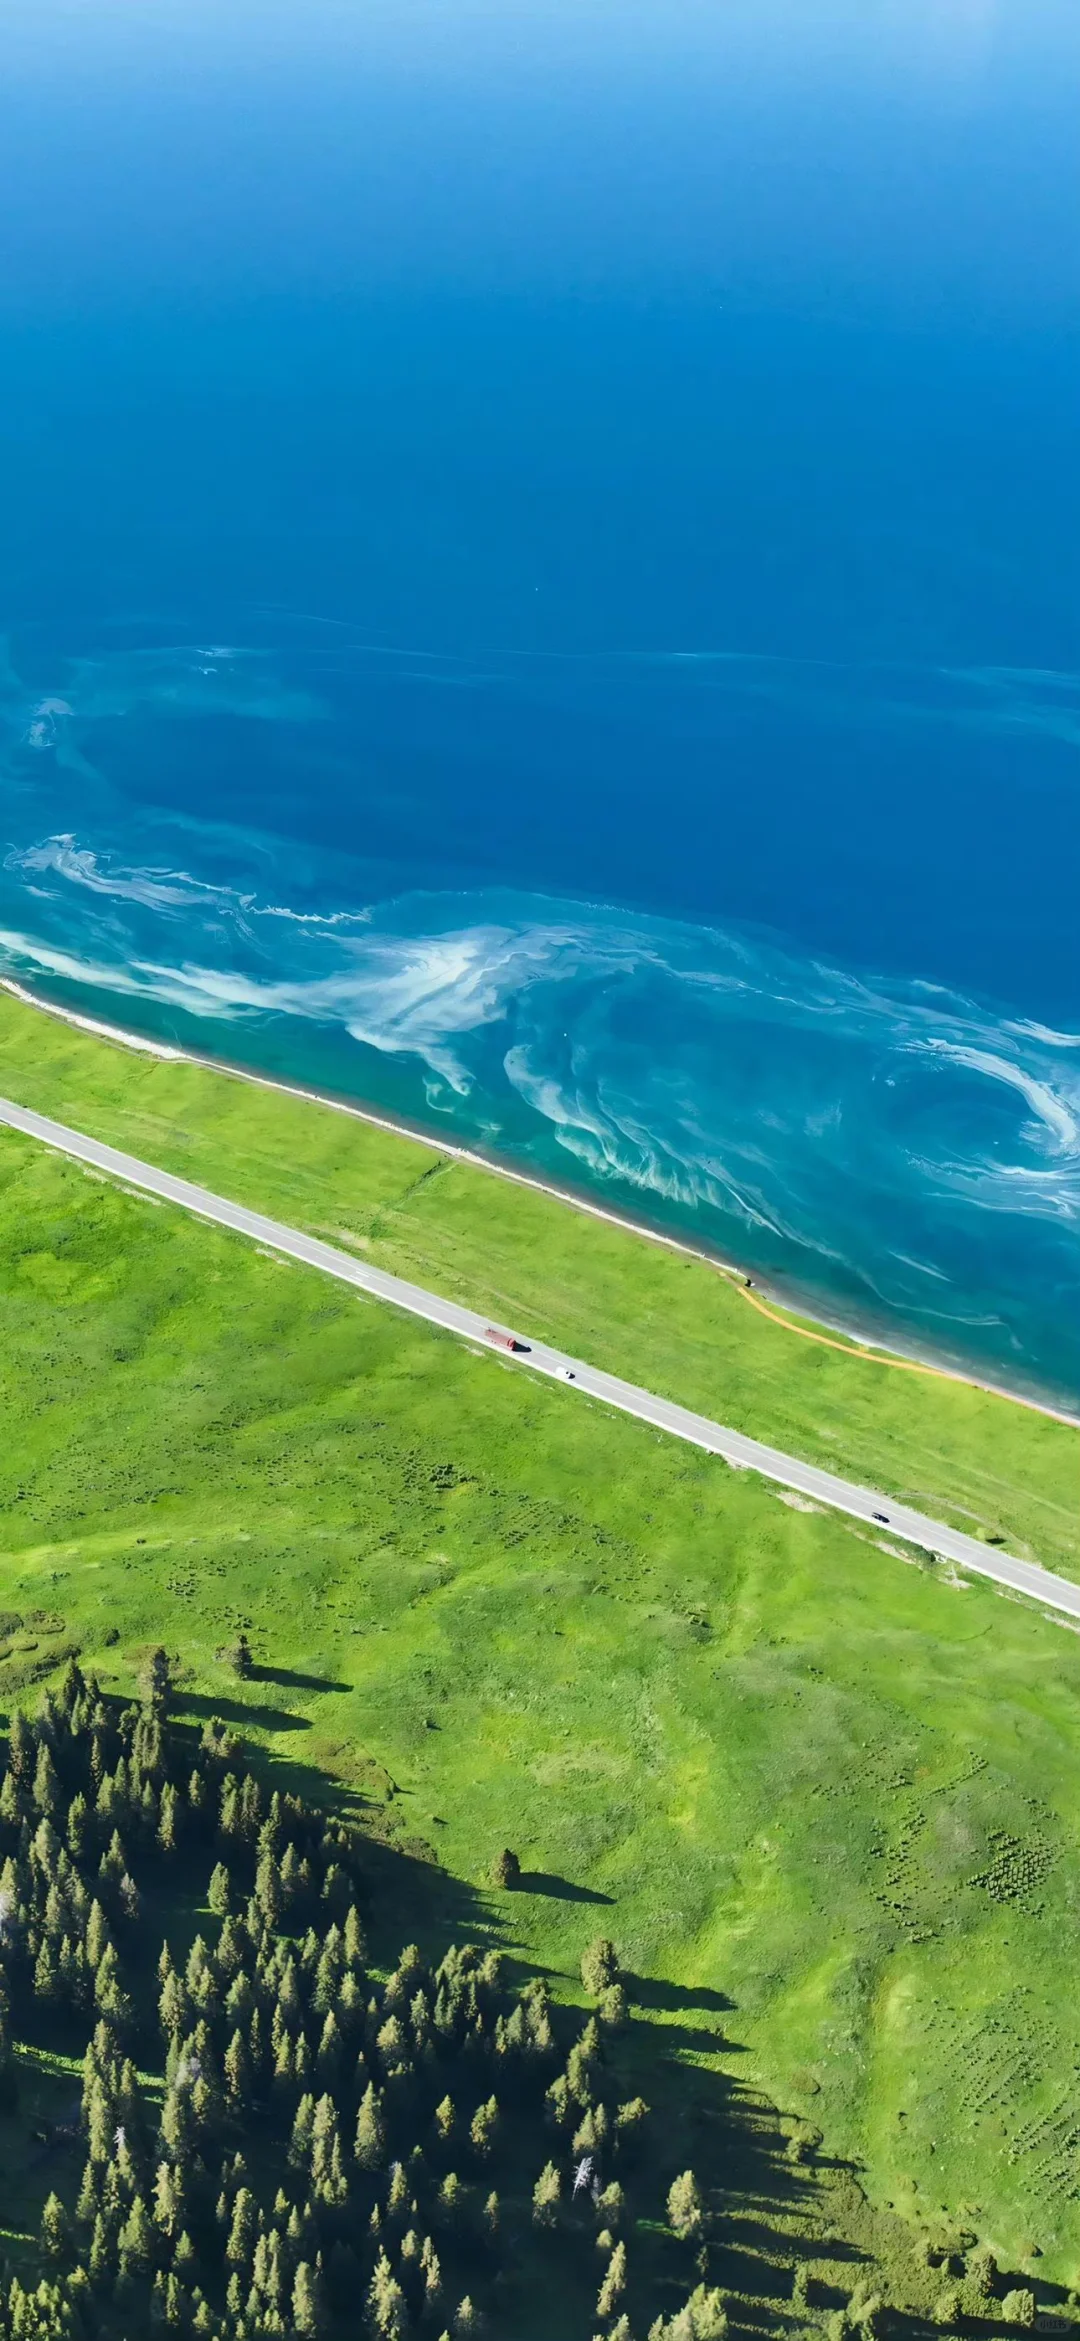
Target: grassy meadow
(826, 1800)
(665, 1319)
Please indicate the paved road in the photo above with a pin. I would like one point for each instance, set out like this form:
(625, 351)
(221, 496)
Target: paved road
(821, 1487)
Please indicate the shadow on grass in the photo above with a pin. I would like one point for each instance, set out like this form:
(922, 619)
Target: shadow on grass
(557, 1889)
(288, 1680)
(238, 1711)
(672, 1999)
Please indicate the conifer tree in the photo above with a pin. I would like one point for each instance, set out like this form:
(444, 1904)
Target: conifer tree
(432, 2274)
(370, 2131)
(78, 1830)
(614, 2284)
(22, 1749)
(599, 1966)
(685, 2210)
(307, 2306)
(136, 2240)
(167, 2199)
(238, 2072)
(102, 2263)
(546, 2194)
(303, 2125)
(176, 2304)
(157, 1682)
(219, 1895)
(386, 2302)
(56, 2237)
(46, 1792)
(98, 1938)
(168, 1830)
(243, 2230)
(328, 2058)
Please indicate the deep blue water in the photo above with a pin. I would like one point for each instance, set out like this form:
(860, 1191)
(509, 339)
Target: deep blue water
(541, 567)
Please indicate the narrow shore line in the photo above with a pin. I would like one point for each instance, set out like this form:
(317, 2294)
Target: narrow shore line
(830, 1335)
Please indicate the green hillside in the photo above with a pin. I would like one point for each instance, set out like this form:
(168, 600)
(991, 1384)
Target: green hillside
(825, 1801)
(669, 1321)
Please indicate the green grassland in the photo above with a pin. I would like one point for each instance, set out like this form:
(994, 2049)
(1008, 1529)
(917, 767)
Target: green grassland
(662, 1318)
(783, 1767)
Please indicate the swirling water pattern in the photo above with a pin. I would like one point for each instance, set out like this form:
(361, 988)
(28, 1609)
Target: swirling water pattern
(905, 1156)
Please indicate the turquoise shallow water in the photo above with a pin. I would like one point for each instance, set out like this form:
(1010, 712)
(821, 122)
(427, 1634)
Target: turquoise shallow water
(542, 582)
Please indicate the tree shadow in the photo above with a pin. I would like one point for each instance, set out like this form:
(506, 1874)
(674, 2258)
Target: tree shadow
(288, 1680)
(558, 1889)
(671, 1999)
(237, 1711)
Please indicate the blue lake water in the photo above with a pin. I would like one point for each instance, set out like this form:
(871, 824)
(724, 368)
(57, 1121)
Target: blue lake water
(541, 574)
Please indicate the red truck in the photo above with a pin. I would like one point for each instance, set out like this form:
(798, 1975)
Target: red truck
(503, 1340)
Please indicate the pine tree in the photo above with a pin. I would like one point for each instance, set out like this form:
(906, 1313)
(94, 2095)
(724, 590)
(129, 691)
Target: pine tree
(22, 1749)
(328, 2058)
(46, 1974)
(599, 1966)
(611, 2205)
(370, 2131)
(98, 1939)
(982, 2273)
(47, 1792)
(238, 2072)
(398, 2193)
(88, 2205)
(268, 1893)
(386, 2302)
(176, 2304)
(243, 2230)
(546, 2195)
(56, 2237)
(113, 2001)
(506, 1870)
(451, 2200)
(705, 2314)
(613, 2008)
(685, 2210)
(174, 2006)
(157, 1682)
(136, 2240)
(432, 2274)
(79, 1830)
(102, 2261)
(167, 2199)
(591, 2131)
(307, 2306)
(303, 2125)
(614, 2284)
(219, 1896)
(168, 1832)
(484, 2125)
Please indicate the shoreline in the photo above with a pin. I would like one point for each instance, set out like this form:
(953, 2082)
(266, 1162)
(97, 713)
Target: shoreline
(852, 1344)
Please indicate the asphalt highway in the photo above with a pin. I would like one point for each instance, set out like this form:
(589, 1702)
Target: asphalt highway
(877, 1510)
